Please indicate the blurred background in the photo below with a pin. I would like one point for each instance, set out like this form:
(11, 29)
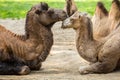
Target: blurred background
(17, 9)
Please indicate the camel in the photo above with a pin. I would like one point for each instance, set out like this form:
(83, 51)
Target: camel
(103, 54)
(104, 22)
(19, 54)
(70, 7)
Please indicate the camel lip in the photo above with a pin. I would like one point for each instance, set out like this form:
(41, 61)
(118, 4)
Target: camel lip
(63, 25)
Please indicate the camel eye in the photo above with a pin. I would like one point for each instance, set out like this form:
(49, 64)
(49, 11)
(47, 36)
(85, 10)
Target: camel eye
(38, 11)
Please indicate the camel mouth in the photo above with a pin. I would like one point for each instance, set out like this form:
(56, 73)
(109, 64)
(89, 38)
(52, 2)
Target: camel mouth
(64, 26)
(66, 23)
(63, 17)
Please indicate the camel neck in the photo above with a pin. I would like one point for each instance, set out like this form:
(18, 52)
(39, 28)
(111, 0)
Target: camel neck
(86, 45)
(84, 36)
(85, 32)
(34, 29)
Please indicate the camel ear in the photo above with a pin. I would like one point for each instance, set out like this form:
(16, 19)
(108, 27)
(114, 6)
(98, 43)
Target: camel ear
(38, 11)
(44, 6)
(50, 11)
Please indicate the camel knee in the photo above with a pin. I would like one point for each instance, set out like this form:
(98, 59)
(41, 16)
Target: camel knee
(34, 64)
(24, 70)
(43, 56)
(105, 67)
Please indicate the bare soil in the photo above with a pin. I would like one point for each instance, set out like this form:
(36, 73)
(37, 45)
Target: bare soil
(62, 63)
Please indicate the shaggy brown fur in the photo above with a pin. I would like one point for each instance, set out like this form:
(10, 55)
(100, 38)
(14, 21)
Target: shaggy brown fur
(104, 54)
(70, 7)
(105, 25)
(37, 42)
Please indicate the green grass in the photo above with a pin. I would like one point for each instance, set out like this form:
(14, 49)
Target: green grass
(18, 8)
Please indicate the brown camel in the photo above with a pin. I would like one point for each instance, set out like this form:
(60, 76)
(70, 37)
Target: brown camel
(70, 7)
(104, 54)
(19, 54)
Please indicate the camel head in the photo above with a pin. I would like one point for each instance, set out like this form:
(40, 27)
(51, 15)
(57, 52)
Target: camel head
(76, 21)
(84, 40)
(41, 13)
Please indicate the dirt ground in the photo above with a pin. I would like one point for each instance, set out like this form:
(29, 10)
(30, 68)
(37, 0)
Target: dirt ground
(62, 63)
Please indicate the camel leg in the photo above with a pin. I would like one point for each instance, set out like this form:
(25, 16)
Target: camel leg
(13, 68)
(98, 67)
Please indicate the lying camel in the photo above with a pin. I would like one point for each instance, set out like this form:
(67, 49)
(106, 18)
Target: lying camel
(104, 54)
(104, 24)
(20, 54)
(70, 7)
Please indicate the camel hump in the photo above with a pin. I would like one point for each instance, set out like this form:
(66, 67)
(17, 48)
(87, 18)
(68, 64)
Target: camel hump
(102, 8)
(100, 5)
(115, 9)
(116, 3)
